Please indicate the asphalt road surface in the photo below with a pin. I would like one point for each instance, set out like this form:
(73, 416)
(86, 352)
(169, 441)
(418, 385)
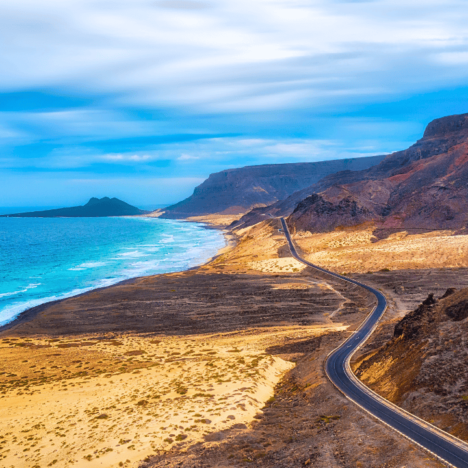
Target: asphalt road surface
(445, 447)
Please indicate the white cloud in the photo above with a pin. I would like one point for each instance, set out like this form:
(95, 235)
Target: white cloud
(117, 157)
(187, 157)
(217, 151)
(8, 133)
(453, 58)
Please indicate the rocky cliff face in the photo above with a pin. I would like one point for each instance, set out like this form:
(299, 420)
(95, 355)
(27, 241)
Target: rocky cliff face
(424, 367)
(236, 191)
(422, 188)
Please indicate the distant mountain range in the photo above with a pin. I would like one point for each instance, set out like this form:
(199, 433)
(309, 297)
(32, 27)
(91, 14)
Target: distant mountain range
(96, 207)
(422, 188)
(235, 191)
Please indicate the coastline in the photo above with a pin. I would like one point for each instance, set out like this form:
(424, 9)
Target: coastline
(29, 314)
(193, 363)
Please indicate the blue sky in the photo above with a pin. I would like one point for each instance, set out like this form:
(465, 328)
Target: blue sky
(143, 99)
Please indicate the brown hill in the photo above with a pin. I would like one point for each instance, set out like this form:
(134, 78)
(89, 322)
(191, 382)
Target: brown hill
(234, 191)
(317, 214)
(421, 188)
(424, 367)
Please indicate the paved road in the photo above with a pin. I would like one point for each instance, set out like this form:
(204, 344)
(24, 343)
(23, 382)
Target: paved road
(445, 447)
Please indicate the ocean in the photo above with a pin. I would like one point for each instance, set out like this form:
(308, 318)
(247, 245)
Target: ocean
(45, 259)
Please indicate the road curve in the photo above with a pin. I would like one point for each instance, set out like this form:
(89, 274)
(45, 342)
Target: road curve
(445, 447)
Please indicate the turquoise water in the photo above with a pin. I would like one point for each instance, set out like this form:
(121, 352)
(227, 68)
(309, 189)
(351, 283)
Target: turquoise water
(44, 259)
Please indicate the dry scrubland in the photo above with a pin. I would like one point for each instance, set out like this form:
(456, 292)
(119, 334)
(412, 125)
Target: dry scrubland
(222, 366)
(356, 250)
(105, 402)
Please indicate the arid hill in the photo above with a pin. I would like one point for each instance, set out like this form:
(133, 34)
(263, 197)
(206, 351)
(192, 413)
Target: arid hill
(424, 367)
(95, 208)
(234, 191)
(317, 214)
(421, 188)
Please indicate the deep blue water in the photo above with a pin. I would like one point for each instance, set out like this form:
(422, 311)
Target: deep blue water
(43, 259)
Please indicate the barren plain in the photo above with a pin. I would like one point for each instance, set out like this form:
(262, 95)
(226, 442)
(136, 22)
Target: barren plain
(357, 250)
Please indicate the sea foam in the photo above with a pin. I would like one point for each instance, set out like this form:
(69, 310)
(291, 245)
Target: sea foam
(74, 255)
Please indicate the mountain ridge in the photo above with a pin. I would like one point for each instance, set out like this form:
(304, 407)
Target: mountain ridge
(235, 191)
(423, 187)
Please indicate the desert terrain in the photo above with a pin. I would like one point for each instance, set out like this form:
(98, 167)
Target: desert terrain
(357, 250)
(217, 366)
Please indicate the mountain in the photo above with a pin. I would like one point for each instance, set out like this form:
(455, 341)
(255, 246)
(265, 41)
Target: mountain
(93, 209)
(421, 188)
(234, 191)
(424, 367)
(285, 207)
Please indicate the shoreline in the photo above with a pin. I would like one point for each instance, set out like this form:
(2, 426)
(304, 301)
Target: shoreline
(29, 314)
(32, 312)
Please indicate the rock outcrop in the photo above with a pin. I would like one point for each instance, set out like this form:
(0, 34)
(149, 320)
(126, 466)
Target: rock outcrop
(95, 208)
(424, 367)
(235, 191)
(321, 215)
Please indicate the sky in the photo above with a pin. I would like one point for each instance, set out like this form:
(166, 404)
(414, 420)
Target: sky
(143, 99)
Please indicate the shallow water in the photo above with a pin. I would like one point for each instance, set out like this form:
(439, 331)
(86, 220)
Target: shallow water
(44, 259)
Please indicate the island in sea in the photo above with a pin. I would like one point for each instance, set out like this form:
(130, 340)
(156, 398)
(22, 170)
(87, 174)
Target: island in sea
(95, 208)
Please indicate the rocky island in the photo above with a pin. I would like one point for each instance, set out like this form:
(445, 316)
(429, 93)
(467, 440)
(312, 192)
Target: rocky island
(95, 208)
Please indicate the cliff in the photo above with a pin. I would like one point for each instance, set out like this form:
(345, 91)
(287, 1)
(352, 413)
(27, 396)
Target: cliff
(420, 189)
(93, 209)
(234, 191)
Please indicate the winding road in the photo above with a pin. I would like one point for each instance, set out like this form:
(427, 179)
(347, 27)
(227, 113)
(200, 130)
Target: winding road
(442, 445)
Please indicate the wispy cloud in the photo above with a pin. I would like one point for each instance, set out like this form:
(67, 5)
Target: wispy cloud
(210, 56)
(125, 83)
(127, 157)
(187, 157)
